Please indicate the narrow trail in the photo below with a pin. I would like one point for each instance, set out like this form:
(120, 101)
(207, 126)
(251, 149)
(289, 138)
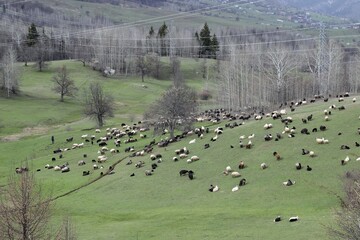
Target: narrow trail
(92, 181)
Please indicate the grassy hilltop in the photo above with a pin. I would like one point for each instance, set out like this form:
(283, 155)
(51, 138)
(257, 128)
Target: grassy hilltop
(165, 205)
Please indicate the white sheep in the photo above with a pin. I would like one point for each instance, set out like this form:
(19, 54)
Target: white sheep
(57, 168)
(97, 130)
(235, 174)
(216, 188)
(228, 169)
(183, 155)
(251, 136)
(263, 166)
(194, 158)
(189, 161)
(312, 154)
(192, 141)
(85, 136)
(234, 189)
(320, 140)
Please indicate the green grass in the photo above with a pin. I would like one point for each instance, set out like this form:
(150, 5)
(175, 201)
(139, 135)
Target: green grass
(165, 205)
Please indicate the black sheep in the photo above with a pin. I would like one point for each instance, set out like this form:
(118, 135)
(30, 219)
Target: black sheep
(183, 172)
(191, 175)
(242, 182)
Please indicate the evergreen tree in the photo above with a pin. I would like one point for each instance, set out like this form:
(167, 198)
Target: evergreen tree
(151, 32)
(214, 45)
(205, 40)
(32, 36)
(163, 31)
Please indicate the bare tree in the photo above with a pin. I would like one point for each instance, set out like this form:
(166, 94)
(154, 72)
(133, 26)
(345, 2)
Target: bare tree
(63, 84)
(176, 74)
(141, 66)
(281, 63)
(175, 107)
(153, 64)
(347, 218)
(25, 209)
(9, 81)
(98, 104)
(67, 230)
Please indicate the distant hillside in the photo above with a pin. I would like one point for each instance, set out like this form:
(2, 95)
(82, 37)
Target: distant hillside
(341, 8)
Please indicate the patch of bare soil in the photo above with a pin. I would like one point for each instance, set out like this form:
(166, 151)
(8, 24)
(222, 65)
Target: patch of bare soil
(29, 131)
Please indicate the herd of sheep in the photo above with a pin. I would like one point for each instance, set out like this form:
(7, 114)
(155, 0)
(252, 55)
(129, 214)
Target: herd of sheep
(112, 138)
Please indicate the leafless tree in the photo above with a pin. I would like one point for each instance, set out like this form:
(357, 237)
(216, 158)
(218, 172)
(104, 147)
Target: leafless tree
(63, 84)
(348, 217)
(141, 66)
(176, 74)
(153, 64)
(175, 107)
(281, 63)
(67, 230)
(25, 209)
(8, 80)
(98, 104)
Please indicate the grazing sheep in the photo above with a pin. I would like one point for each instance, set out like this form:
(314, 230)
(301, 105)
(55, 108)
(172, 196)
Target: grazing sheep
(358, 159)
(183, 172)
(192, 141)
(228, 169)
(57, 168)
(183, 155)
(249, 145)
(298, 166)
(312, 154)
(314, 130)
(268, 137)
(139, 164)
(175, 159)
(85, 173)
(277, 219)
(191, 175)
(326, 118)
(344, 147)
(152, 157)
(263, 166)
(320, 140)
(149, 172)
(293, 219)
(81, 162)
(288, 183)
(309, 118)
(304, 131)
(341, 108)
(234, 189)
(277, 155)
(235, 174)
(206, 146)
(213, 139)
(65, 169)
(242, 182)
(241, 165)
(308, 168)
(322, 128)
(357, 144)
(213, 188)
(354, 99)
(194, 158)
(304, 151)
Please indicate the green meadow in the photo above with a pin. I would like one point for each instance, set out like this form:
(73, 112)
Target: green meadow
(165, 205)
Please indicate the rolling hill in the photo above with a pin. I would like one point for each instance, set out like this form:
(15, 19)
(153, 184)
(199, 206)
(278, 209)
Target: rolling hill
(166, 205)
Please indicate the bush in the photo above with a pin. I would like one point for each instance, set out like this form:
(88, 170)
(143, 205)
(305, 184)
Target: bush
(205, 95)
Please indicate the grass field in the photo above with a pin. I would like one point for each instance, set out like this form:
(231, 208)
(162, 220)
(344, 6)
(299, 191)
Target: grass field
(165, 205)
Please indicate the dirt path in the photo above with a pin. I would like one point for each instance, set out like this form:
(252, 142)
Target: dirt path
(29, 131)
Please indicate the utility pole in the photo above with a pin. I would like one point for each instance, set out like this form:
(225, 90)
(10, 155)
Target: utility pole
(323, 63)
